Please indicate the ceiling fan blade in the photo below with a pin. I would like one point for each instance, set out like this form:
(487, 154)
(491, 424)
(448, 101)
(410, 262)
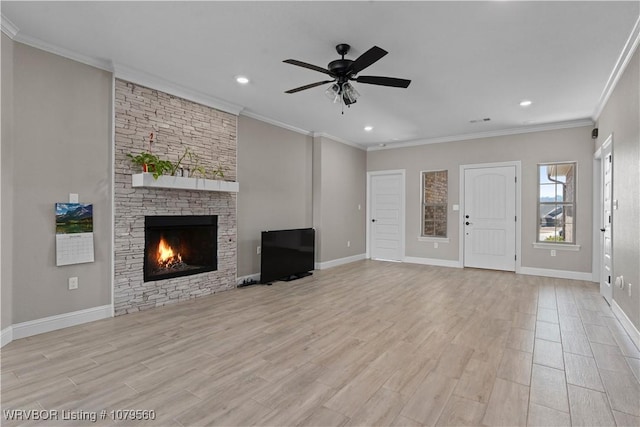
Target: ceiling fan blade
(298, 89)
(366, 59)
(309, 66)
(383, 81)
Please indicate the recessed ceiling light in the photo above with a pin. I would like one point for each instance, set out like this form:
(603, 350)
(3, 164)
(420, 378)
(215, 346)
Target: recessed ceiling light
(525, 103)
(368, 128)
(242, 80)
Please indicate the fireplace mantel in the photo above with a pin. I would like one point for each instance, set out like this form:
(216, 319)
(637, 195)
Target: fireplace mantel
(183, 183)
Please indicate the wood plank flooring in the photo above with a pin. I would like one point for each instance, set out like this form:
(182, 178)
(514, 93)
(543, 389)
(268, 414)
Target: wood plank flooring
(368, 343)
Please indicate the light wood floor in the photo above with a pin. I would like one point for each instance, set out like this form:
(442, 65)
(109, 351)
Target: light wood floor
(369, 343)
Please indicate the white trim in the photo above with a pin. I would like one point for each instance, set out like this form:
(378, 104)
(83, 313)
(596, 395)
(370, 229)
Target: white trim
(112, 245)
(559, 274)
(6, 336)
(618, 69)
(275, 122)
(626, 323)
(340, 140)
(433, 239)
(158, 83)
(503, 132)
(403, 202)
(433, 261)
(597, 215)
(254, 276)
(65, 53)
(556, 246)
(8, 27)
(339, 261)
(518, 165)
(60, 321)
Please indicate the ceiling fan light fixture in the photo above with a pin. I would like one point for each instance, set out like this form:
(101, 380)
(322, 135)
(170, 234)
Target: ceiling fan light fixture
(333, 93)
(349, 94)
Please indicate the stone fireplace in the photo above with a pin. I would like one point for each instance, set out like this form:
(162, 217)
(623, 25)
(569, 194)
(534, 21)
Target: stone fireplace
(177, 124)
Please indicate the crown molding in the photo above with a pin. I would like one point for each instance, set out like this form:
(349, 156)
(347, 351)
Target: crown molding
(489, 134)
(65, 53)
(275, 122)
(340, 140)
(621, 65)
(8, 27)
(158, 83)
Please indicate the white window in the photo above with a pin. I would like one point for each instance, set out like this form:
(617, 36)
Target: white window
(434, 203)
(557, 203)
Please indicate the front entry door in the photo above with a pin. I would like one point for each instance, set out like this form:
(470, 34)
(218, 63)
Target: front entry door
(387, 216)
(490, 218)
(607, 257)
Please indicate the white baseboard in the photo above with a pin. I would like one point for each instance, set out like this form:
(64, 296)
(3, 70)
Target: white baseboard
(340, 261)
(254, 276)
(626, 323)
(6, 336)
(60, 321)
(433, 261)
(558, 274)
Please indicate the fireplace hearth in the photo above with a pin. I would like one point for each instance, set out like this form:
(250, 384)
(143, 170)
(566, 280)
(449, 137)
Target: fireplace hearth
(178, 246)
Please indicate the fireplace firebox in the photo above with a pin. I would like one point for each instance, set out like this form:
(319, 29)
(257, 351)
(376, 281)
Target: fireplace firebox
(177, 246)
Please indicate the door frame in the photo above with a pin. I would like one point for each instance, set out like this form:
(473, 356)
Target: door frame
(518, 244)
(598, 238)
(370, 175)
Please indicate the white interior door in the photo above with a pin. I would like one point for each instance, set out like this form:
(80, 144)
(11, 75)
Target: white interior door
(607, 256)
(387, 216)
(490, 218)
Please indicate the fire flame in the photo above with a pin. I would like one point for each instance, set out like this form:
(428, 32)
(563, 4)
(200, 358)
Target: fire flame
(166, 256)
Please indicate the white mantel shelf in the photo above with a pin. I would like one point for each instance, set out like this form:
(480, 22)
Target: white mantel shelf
(183, 183)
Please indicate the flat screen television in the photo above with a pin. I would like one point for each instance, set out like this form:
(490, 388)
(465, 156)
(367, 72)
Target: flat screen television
(287, 254)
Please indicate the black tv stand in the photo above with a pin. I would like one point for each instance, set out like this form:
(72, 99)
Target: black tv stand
(297, 276)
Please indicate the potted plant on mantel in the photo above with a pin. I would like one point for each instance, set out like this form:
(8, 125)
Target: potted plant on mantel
(151, 163)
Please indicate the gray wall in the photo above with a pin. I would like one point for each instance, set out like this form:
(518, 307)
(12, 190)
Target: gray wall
(339, 199)
(61, 145)
(275, 173)
(6, 190)
(621, 117)
(530, 149)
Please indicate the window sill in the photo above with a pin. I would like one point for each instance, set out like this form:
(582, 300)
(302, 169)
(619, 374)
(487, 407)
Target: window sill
(557, 246)
(433, 239)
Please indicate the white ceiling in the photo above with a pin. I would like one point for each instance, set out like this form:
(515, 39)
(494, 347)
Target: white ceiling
(466, 60)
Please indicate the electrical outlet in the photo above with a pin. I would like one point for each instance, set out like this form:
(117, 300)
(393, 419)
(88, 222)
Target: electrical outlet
(348, 243)
(435, 245)
(258, 250)
(553, 252)
(629, 289)
(73, 283)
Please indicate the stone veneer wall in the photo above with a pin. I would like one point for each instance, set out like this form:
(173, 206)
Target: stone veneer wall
(176, 124)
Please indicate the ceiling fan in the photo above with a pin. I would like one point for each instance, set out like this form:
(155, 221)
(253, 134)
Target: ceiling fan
(342, 71)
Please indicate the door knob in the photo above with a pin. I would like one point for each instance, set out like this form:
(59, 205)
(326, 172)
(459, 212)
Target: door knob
(602, 229)
(466, 216)
(373, 220)
(467, 223)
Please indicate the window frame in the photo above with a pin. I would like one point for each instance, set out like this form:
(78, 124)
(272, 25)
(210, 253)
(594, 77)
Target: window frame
(423, 205)
(543, 244)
